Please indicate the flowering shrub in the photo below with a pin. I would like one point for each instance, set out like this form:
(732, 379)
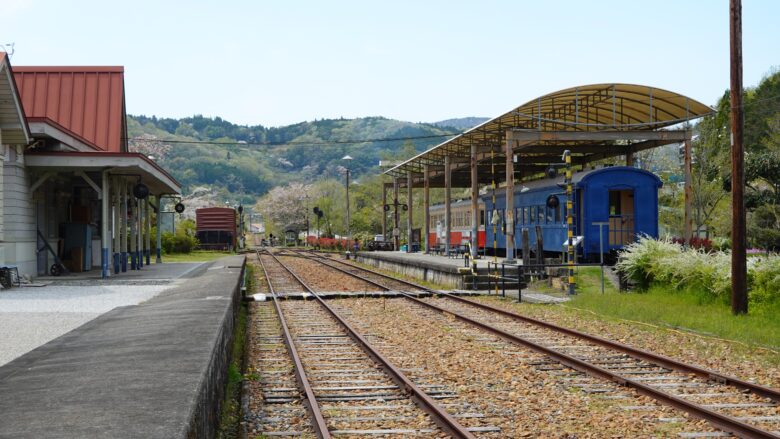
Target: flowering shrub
(330, 243)
(667, 262)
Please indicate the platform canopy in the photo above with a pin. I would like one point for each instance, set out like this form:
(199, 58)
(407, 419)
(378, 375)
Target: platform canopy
(594, 122)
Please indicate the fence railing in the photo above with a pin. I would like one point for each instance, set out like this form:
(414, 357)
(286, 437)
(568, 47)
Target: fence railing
(523, 273)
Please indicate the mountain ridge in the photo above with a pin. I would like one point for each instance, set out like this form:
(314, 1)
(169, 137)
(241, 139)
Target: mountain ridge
(244, 162)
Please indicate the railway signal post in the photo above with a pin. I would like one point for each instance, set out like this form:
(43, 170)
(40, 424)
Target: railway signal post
(569, 220)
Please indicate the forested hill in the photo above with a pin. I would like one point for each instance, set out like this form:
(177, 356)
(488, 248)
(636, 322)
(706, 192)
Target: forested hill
(249, 160)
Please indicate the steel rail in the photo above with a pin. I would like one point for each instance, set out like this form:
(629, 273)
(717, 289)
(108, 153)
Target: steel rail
(318, 420)
(443, 419)
(661, 360)
(724, 422)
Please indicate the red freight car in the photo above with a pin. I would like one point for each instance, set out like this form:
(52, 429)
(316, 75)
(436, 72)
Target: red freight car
(216, 228)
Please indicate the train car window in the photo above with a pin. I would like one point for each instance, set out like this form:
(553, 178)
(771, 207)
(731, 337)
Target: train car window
(482, 217)
(550, 215)
(532, 216)
(614, 203)
(540, 212)
(525, 215)
(557, 213)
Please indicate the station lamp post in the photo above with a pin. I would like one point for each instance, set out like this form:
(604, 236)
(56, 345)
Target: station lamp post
(346, 183)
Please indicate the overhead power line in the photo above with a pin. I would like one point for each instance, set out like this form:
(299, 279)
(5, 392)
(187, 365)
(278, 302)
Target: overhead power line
(292, 143)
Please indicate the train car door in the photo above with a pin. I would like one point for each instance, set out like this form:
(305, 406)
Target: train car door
(621, 217)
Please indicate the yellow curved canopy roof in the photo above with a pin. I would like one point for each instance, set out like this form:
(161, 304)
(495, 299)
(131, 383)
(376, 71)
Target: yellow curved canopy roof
(621, 110)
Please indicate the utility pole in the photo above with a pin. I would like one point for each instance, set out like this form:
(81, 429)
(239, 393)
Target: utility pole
(739, 302)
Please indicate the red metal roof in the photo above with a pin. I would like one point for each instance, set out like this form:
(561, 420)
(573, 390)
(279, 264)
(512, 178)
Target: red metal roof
(89, 102)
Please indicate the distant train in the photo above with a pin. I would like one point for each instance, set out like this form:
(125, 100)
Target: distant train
(623, 199)
(216, 228)
(460, 230)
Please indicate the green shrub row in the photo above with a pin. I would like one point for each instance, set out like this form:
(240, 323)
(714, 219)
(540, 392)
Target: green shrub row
(651, 261)
(178, 243)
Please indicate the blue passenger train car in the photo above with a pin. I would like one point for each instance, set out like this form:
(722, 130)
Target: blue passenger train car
(624, 199)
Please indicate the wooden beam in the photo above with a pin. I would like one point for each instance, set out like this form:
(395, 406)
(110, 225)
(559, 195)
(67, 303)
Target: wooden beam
(427, 207)
(474, 201)
(509, 216)
(447, 196)
(409, 218)
(528, 136)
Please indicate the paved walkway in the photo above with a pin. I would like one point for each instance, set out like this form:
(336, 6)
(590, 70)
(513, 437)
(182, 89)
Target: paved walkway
(153, 370)
(33, 315)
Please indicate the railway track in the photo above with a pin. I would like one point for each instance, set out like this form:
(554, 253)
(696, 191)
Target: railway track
(731, 405)
(346, 386)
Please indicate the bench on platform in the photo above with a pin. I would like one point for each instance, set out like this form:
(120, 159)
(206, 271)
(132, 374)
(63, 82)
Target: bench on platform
(9, 276)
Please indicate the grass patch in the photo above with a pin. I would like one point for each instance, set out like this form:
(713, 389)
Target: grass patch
(230, 417)
(231, 407)
(690, 310)
(195, 256)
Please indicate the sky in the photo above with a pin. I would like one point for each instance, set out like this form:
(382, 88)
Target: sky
(280, 62)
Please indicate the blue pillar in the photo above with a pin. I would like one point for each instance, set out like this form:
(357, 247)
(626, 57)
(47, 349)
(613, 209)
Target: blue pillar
(104, 261)
(105, 237)
(116, 263)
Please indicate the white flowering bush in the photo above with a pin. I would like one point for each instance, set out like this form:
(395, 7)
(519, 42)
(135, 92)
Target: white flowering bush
(640, 261)
(650, 261)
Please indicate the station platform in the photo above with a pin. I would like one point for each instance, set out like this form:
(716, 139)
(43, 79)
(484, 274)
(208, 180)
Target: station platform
(148, 273)
(152, 370)
(438, 269)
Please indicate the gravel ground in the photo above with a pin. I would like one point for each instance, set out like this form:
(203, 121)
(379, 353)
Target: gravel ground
(321, 278)
(33, 316)
(753, 364)
(503, 381)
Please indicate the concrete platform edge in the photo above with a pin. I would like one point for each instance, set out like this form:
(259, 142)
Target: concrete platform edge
(154, 370)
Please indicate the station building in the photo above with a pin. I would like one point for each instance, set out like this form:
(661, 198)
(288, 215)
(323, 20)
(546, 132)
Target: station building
(69, 187)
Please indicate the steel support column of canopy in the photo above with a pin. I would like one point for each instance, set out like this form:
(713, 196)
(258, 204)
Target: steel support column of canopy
(447, 203)
(159, 229)
(474, 201)
(117, 224)
(105, 237)
(427, 207)
(148, 234)
(409, 220)
(133, 234)
(509, 218)
(123, 224)
(140, 235)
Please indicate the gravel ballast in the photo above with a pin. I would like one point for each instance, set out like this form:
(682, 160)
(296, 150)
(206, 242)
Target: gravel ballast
(750, 363)
(511, 385)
